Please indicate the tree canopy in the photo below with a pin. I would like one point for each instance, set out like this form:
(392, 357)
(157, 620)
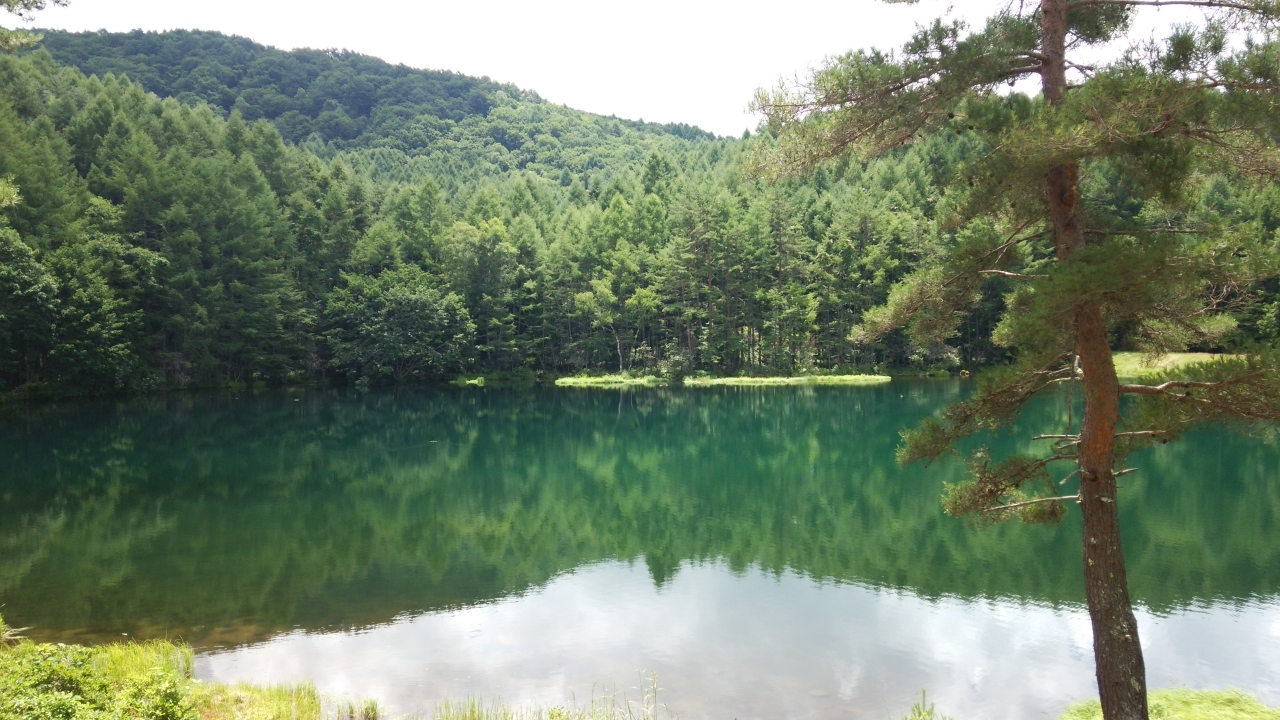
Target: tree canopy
(222, 252)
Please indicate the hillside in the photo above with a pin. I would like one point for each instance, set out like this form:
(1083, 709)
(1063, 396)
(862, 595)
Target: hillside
(388, 122)
(153, 240)
(345, 97)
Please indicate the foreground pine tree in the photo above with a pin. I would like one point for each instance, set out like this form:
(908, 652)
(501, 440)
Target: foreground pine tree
(17, 39)
(1150, 128)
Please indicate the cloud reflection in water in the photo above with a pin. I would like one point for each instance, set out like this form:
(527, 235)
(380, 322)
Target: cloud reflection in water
(755, 645)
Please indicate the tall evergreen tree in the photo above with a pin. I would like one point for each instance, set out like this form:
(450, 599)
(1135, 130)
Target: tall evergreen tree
(1159, 120)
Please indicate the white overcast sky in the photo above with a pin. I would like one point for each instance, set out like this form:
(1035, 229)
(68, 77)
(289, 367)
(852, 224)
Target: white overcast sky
(660, 60)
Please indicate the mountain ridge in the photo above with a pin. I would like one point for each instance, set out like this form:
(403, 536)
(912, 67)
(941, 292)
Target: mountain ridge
(349, 99)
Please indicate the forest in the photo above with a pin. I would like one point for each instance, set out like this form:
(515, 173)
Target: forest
(187, 209)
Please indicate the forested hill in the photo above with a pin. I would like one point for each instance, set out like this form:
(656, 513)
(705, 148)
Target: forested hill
(151, 241)
(344, 97)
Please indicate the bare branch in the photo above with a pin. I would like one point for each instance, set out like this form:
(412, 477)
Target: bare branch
(1016, 276)
(1180, 384)
(1037, 501)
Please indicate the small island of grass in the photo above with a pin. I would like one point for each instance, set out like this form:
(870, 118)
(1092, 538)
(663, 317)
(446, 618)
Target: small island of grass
(611, 381)
(623, 380)
(1135, 365)
(798, 380)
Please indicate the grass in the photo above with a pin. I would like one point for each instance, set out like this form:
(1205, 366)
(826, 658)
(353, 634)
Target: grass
(150, 680)
(243, 701)
(1189, 705)
(801, 380)
(120, 661)
(611, 381)
(617, 381)
(1134, 365)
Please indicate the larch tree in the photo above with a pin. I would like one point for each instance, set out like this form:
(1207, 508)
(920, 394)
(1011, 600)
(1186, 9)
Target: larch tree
(1157, 122)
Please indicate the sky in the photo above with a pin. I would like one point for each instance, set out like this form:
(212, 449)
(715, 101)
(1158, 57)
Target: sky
(662, 60)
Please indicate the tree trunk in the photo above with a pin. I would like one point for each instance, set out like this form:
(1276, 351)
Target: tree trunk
(1117, 653)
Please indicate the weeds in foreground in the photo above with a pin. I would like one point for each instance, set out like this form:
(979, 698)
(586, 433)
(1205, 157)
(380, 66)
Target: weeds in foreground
(8, 635)
(611, 706)
(923, 710)
(243, 701)
(358, 710)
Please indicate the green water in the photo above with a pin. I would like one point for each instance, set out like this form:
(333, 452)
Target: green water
(231, 520)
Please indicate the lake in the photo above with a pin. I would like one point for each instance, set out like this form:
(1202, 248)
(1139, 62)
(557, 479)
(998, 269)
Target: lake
(758, 549)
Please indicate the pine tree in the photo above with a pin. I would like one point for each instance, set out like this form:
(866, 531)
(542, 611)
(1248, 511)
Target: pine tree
(1160, 119)
(17, 39)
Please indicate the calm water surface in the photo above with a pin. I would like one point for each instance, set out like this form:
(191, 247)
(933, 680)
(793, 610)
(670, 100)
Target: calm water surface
(758, 549)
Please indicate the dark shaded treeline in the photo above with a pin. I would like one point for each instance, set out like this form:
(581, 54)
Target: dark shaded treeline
(225, 519)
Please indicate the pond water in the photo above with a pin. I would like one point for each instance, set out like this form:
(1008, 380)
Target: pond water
(758, 549)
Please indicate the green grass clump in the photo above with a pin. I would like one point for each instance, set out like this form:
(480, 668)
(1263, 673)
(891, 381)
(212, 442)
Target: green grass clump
(610, 706)
(800, 380)
(1134, 365)
(151, 681)
(243, 701)
(611, 381)
(1189, 705)
(69, 681)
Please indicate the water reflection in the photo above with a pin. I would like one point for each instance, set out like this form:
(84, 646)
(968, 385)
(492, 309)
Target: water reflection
(756, 645)
(296, 519)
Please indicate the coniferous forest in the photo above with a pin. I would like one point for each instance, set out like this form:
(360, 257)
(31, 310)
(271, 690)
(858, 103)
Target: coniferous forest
(187, 208)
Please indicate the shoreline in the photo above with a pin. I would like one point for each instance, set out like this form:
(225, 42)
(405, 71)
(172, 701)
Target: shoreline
(156, 679)
(1130, 366)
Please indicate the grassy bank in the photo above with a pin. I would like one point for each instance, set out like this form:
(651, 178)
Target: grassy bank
(150, 680)
(1189, 705)
(1134, 365)
(154, 681)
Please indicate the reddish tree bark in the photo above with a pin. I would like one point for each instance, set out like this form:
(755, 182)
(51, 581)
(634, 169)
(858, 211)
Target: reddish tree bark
(1121, 673)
